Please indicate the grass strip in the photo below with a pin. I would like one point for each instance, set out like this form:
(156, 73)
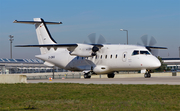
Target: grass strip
(67, 96)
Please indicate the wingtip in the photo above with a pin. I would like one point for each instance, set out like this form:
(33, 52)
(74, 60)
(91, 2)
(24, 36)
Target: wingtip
(15, 21)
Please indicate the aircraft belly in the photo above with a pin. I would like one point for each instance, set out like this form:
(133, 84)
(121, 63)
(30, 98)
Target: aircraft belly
(79, 64)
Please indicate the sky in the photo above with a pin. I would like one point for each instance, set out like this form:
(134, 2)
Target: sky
(157, 18)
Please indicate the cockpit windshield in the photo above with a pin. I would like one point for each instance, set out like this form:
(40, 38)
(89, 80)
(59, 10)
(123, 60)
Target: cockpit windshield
(137, 52)
(144, 52)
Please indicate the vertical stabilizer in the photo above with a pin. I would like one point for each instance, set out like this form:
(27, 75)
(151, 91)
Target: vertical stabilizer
(43, 34)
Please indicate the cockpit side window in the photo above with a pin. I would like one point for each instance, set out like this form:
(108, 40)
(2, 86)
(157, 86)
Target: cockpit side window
(144, 52)
(135, 52)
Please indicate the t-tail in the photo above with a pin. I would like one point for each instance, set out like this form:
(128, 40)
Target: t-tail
(43, 34)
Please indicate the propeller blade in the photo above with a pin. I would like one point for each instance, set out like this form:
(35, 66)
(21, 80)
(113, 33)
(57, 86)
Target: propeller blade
(150, 46)
(92, 38)
(144, 39)
(101, 40)
(154, 52)
(138, 43)
(152, 41)
(85, 42)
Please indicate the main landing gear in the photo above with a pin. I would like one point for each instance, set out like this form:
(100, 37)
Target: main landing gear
(87, 75)
(111, 75)
(147, 74)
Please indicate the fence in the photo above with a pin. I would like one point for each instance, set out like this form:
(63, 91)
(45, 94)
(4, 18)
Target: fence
(57, 76)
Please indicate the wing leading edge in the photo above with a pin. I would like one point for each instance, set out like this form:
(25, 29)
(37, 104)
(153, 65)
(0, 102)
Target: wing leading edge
(70, 47)
(49, 45)
(57, 45)
(152, 47)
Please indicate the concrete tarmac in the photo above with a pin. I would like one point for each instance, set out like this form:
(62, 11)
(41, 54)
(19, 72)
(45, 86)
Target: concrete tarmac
(170, 80)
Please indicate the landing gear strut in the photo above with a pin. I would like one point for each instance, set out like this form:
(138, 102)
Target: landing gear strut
(147, 74)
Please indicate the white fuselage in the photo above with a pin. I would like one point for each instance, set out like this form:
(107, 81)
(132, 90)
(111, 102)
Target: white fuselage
(109, 58)
(91, 58)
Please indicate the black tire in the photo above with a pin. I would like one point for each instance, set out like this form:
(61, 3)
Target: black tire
(111, 75)
(146, 75)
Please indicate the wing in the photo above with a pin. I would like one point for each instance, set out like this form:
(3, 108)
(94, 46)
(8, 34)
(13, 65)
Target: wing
(152, 47)
(49, 45)
(70, 47)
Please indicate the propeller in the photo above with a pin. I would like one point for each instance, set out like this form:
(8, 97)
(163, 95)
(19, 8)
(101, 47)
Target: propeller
(149, 44)
(92, 38)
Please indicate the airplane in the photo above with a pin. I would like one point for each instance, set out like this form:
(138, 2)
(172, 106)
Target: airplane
(94, 58)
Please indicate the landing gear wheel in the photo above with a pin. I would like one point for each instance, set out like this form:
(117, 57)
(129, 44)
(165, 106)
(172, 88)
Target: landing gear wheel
(147, 75)
(87, 76)
(111, 75)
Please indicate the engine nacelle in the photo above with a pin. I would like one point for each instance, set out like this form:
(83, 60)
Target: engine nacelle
(82, 50)
(101, 69)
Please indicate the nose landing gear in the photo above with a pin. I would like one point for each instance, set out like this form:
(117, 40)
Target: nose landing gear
(147, 74)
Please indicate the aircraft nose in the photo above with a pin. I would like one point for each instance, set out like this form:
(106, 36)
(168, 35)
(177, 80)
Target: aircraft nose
(156, 63)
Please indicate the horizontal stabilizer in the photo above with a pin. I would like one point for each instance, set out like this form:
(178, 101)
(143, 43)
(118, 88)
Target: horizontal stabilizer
(34, 22)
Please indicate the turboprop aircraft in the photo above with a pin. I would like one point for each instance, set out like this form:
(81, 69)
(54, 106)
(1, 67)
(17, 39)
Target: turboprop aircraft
(92, 58)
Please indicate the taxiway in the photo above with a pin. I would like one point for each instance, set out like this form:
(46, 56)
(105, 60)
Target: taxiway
(138, 80)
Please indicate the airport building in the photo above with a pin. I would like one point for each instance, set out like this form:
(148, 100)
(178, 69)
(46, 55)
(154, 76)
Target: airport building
(172, 63)
(17, 66)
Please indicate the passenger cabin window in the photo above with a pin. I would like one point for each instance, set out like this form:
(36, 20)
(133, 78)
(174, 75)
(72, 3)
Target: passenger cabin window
(144, 52)
(136, 52)
(116, 55)
(124, 55)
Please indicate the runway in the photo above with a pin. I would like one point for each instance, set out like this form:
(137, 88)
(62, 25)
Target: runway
(173, 80)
